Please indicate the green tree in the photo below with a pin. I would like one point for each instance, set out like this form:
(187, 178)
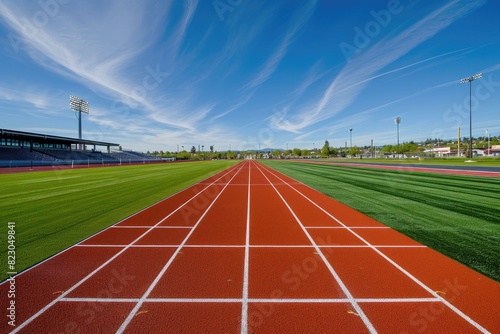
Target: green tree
(276, 154)
(296, 152)
(354, 151)
(408, 148)
(193, 149)
(388, 149)
(325, 151)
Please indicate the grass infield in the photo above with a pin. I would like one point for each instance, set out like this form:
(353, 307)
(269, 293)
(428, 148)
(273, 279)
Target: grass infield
(479, 162)
(55, 209)
(458, 216)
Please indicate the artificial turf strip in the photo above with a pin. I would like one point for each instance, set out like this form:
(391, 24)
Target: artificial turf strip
(54, 210)
(458, 216)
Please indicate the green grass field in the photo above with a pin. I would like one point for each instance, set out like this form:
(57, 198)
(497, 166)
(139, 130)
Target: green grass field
(457, 215)
(55, 209)
(482, 161)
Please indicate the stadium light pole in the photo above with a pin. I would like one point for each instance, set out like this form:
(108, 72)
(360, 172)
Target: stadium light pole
(488, 148)
(77, 104)
(397, 120)
(469, 80)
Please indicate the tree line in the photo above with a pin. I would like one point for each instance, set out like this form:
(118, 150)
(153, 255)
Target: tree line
(327, 150)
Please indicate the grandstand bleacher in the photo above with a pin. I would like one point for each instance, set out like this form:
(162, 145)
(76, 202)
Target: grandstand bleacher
(19, 149)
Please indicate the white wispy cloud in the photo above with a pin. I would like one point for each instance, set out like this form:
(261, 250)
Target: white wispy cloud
(91, 48)
(302, 16)
(242, 101)
(41, 100)
(99, 45)
(355, 76)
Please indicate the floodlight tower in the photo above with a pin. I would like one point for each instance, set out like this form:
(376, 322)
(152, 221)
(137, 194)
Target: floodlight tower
(469, 80)
(397, 120)
(488, 148)
(77, 104)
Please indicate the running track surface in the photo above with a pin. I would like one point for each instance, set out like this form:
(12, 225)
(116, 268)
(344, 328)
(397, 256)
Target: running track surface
(250, 250)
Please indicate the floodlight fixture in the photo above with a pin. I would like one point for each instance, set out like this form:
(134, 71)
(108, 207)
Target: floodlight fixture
(472, 78)
(469, 80)
(79, 105)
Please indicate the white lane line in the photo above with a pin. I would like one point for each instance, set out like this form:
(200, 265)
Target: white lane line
(164, 269)
(116, 224)
(251, 300)
(156, 227)
(342, 227)
(404, 271)
(100, 300)
(346, 291)
(244, 305)
(253, 246)
(83, 280)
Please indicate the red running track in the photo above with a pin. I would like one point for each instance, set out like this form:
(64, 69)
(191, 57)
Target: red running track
(250, 250)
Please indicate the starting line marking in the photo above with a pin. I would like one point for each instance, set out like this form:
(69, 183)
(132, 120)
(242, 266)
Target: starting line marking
(151, 227)
(254, 246)
(250, 300)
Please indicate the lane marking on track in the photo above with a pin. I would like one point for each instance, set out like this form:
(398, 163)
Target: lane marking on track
(254, 246)
(154, 227)
(255, 184)
(404, 271)
(164, 269)
(244, 305)
(346, 291)
(357, 227)
(83, 280)
(121, 221)
(251, 300)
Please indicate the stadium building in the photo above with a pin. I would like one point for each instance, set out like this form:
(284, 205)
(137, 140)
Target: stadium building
(21, 149)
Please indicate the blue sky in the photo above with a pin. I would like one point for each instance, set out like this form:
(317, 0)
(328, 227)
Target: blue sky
(249, 74)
